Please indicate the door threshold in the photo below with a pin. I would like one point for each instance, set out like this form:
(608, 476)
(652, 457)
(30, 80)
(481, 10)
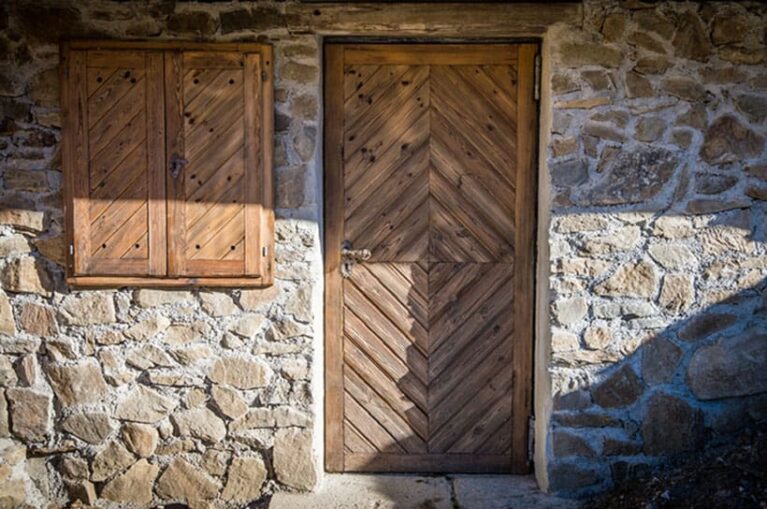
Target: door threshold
(403, 491)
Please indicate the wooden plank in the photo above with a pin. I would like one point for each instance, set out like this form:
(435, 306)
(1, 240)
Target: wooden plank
(155, 115)
(480, 20)
(118, 58)
(334, 228)
(430, 54)
(76, 157)
(253, 166)
(524, 288)
(174, 147)
(157, 282)
(213, 60)
(428, 463)
(266, 122)
(113, 44)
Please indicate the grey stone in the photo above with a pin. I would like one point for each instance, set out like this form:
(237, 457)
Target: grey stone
(256, 19)
(728, 140)
(633, 176)
(565, 444)
(569, 173)
(706, 324)
(620, 389)
(714, 184)
(660, 358)
(90, 427)
(753, 106)
(732, 367)
(670, 426)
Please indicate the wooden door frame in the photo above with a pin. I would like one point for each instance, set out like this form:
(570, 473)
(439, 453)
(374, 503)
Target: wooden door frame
(524, 261)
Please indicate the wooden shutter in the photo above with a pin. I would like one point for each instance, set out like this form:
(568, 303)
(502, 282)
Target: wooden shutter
(215, 124)
(167, 157)
(114, 139)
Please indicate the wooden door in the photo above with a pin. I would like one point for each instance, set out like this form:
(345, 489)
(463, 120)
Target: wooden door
(216, 195)
(113, 105)
(429, 166)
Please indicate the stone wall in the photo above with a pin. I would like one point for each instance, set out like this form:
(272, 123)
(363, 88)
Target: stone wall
(655, 181)
(658, 168)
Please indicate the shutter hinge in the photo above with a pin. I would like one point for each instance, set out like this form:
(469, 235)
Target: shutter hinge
(264, 251)
(264, 76)
(537, 75)
(71, 249)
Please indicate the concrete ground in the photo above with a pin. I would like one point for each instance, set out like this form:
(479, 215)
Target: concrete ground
(380, 491)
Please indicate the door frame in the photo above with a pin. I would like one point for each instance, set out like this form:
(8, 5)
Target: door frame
(526, 209)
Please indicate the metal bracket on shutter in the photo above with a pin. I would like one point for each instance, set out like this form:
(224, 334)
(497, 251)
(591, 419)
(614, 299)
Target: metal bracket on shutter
(537, 72)
(350, 257)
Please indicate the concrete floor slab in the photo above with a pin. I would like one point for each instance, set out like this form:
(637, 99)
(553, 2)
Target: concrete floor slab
(381, 491)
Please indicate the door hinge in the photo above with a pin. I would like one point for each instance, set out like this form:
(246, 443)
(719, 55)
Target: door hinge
(264, 251)
(531, 437)
(537, 75)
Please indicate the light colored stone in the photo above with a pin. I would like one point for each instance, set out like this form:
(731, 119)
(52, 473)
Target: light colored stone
(26, 275)
(244, 480)
(7, 322)
(573, 223)
(77, 384)
(672, 256)
(31, 220)
(295, 369)
(633, 280)
(30, 413)
(240, 373)
(191, 355)
(597, 337)
(623, 239)
(673, 227)
(38, 320)
(259, 299)
(134, 486)
(293, 460)
(677, 293)
(570, 311)
(583, 104)
(228, 401)
(5, 427)
(74, 467)
(181, 334)
(564, 341)
(91, 308)
(218, 304)
(114, 458)
(300, 304)
(200, 423)
(147, 357)
(182, 481)
(90, 427)
(147, 329)
(143, 404)
(53, 248)
(13, 245)
(148, 298)
(248, 325)
(141, 439)
(732, 367)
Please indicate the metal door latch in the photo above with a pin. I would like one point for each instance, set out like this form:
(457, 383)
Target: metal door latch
(177, 164)
(350, 257)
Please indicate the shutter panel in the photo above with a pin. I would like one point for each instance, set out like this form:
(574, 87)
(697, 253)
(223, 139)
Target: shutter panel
(219, 197)
(114, 137)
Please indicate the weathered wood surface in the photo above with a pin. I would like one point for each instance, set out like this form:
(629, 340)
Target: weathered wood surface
(436, 148)
(135, 109)
(438, 19)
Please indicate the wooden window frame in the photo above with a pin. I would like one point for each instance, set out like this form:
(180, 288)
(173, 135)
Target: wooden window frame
(263, 266)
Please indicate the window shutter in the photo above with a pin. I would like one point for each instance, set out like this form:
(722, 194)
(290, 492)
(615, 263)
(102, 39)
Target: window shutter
(219, 192)
(114, 136)
(167, 156)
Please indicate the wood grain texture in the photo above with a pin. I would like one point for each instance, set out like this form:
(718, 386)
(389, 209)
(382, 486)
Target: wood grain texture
(436, 144)
(131, 109)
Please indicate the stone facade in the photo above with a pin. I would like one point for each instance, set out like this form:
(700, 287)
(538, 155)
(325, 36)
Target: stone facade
(652, 205)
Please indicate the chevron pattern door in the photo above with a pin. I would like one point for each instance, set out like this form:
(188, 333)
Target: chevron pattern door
(430, 206)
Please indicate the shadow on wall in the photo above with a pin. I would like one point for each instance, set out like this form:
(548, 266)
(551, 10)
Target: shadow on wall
(659, 347)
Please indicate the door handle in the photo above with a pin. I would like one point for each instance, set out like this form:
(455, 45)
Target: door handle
(350, 257)
(177, 164)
